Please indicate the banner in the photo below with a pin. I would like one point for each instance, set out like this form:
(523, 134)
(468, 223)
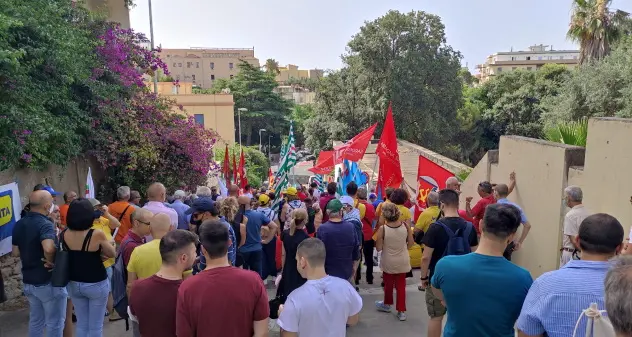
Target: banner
(354, 149)
(89, 185)
(10, 208)
(390, 173)
(430, 177)
(324, 163)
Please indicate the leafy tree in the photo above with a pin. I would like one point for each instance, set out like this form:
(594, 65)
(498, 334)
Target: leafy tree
(257, 163)
(596, 28)
(300, 114)
(310, 84)
(272, 67)
(570, 133)
(253, 89)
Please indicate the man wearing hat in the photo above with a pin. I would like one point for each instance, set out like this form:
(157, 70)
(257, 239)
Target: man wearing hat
(204, 209)
(293, 202)
(341, 242)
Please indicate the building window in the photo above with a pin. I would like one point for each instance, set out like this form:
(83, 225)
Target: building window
(197, 64)
(174, 89)
(180, 65)
(230, 65)
(500, 69)
(212, 65)
(528, 58)
(231, 77)
(193, 78)
(513, 58)
(529, 68)
(212, 77)
(199, 118)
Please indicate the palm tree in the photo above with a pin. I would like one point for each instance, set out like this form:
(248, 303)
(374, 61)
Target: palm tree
(595, 27)
(272, 66)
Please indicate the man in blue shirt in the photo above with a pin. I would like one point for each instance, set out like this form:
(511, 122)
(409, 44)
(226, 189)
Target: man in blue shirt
(557, 298)
(180, 208)
(204, 209)
(252, 250)
(340, 241)
(34, 240)
(501, 191)
(490, 302)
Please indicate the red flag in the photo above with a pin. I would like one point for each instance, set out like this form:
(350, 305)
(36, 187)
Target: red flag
(324, 163)
(243, 180)
(234, 169)
(355, 148)
(390, 174)
(226, 168)
(430, 177)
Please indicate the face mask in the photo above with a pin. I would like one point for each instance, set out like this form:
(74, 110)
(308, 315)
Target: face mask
(98, 214)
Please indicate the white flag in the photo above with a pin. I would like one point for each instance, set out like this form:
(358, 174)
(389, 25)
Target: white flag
(89, 184)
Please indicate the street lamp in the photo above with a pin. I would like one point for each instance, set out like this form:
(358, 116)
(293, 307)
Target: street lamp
(151, 34)
(239, 111)
(261, 130)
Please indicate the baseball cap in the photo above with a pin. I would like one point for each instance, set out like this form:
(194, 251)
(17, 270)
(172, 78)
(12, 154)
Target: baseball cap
(51, 191)
(346, 200)
(203, 204)
(94, 202)
(264, 199)
(372, 196)
(334, 205)
(291, 191)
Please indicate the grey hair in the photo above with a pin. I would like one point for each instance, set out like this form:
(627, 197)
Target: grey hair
(204, 191)
(618, 289)
(574, 193)
(179, 194)
(451, 180)
(123, 192)
(433, 198)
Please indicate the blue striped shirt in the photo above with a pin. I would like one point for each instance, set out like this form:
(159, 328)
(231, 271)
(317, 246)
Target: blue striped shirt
(523, 217)
(557, 298)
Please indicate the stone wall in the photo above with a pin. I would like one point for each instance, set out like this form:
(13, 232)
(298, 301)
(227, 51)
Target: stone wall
(12, 275)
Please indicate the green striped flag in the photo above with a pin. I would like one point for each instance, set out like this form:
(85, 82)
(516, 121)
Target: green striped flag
(288, 160)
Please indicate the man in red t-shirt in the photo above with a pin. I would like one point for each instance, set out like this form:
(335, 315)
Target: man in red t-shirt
(221, 300)
(486, 192)
(153, 300)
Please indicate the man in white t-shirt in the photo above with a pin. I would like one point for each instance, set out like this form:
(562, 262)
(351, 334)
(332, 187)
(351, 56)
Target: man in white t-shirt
(324, 305)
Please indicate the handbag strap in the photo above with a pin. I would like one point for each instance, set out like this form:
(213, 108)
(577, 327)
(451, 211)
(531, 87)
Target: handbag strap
(123, 214)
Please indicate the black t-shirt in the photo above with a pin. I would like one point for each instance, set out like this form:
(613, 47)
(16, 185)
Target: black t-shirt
(437, 238)
(28, 235)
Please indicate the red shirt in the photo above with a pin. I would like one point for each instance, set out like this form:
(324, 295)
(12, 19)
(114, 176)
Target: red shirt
(221, 302)
(479, 210)
(154, 304)
(367, 221)
(324, 200)
(302, 196)
(129, 247)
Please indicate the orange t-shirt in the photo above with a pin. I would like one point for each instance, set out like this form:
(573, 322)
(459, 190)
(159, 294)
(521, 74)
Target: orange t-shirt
(63, 211)
(116, 209)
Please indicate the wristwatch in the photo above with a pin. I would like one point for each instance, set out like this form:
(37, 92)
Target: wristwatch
(425, 278)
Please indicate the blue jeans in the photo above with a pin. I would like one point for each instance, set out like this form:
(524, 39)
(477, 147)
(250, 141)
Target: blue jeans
(90, 301)
(47, 306)
(253, 261)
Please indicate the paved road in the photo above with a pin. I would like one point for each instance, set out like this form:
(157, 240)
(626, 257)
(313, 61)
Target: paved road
(372, 322)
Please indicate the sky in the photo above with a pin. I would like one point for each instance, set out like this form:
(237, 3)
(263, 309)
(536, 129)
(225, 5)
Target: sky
(313, 34)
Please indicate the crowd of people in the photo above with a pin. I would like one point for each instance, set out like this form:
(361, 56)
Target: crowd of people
(198, 264)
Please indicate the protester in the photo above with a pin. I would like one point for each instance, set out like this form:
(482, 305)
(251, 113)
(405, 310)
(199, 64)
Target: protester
(248, 191)
(352, 216)
(89, 286)
(229, 209)
(430, 214)
(395, 262)
(372, 198)
(485, 191)
(203, 209)
(33, 240)
(214, 193)
(252, 250)
(312, 210)
(233, 191)
(122, 210)
(367, 236)
(268, 266)
(340, 240)
(487, 271)
(204, 192)
(571, 289)
(237, 297)
(454, 184)
(156, 196)
(573, 196)
(324, 305)
(293, 202)
(325, 198)
(292, 238)
(378, 209)
(154, 299)
(316, 192)
(436, 246)
(501, 191)
(135, 199)
(69, 197)
(180, 208)
(618, 289)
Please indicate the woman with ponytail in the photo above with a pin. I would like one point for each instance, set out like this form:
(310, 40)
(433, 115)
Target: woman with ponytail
(291, 238)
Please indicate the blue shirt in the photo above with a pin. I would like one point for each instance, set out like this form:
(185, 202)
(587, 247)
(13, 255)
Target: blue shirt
(253, 231)
(232, 250)
(557, 298)
(28, 234)
(183, 219)
(483, 294)
(341, 246)
(523, 217)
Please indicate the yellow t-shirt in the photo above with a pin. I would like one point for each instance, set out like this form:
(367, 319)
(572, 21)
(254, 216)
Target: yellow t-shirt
(427, 217)
(103, 224)
(146, 260)
(360, 206)
(404, 213)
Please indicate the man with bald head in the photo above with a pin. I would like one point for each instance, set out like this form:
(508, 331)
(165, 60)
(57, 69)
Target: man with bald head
(156, 197)
(34, 240)
(136, 235)
(146, 260)
(233, 191)
(501, 191)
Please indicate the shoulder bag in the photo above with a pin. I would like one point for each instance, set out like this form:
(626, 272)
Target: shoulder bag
(61, 271)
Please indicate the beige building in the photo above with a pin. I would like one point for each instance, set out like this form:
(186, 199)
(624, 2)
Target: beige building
(202, 66)
(292, 71)
(114, 9)
(215, 112)
(296, 94)
(532, 59)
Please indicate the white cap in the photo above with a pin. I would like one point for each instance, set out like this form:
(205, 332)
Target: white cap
(345, 199)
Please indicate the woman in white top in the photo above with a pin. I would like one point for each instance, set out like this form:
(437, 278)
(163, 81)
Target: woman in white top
(394, 240)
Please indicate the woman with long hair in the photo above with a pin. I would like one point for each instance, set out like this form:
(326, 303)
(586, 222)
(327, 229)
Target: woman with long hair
(394, 239)
(87, 247)
(291, 238)
(229, 209)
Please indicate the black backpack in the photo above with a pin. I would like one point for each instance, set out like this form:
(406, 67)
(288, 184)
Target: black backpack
(458, 241)
(119, 285)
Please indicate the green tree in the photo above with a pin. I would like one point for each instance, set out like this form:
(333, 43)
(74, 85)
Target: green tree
(253, 89)
(300, 114)
(310, 84)
(596, 28)
(257, 164)
(272, 67)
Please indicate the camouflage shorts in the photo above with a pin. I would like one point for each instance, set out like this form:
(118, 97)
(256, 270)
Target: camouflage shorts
(433, 305)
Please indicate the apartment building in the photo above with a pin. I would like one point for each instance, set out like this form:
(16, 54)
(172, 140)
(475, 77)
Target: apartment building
(292, 71)
(296, 94)
(202, 66)
(532, 59)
